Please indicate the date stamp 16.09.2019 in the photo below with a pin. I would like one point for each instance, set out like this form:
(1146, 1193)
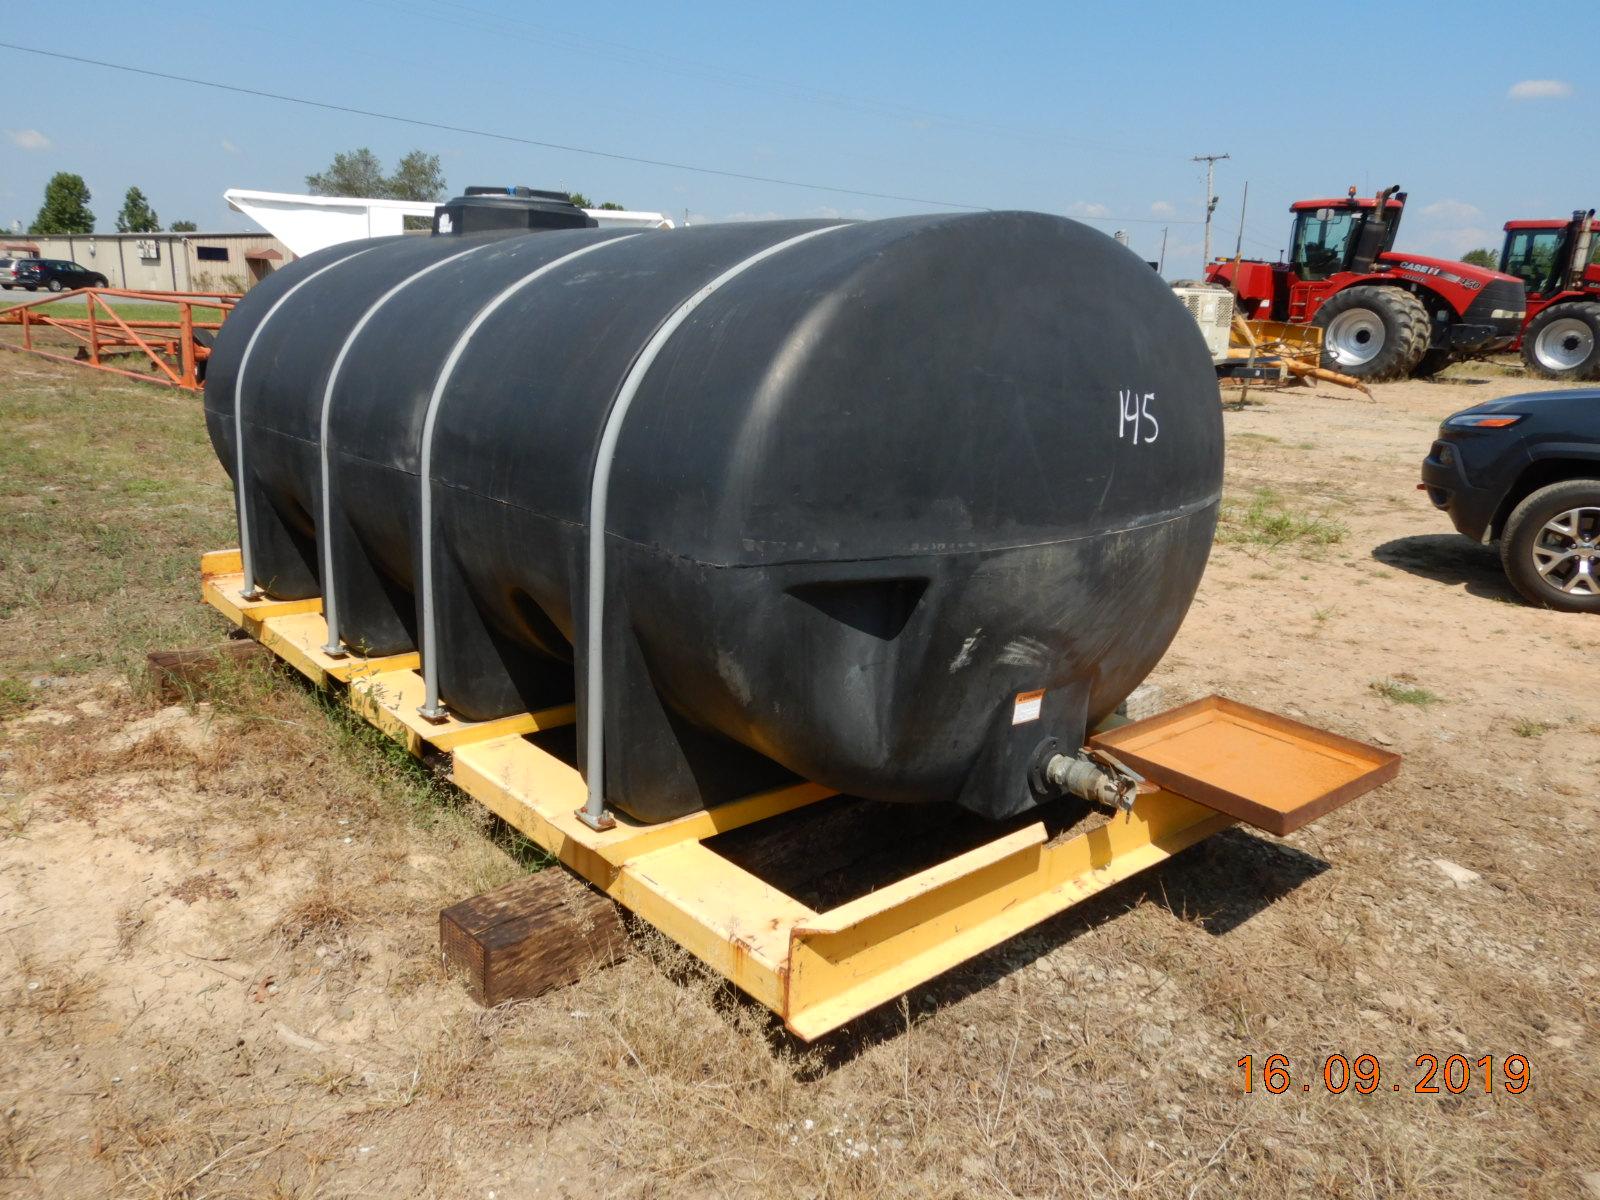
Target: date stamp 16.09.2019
(1427, 1074)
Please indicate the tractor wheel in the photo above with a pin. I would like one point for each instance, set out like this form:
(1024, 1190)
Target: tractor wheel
(1432, 362)
(1550, 546)
(1373, 333)
(1563, 342)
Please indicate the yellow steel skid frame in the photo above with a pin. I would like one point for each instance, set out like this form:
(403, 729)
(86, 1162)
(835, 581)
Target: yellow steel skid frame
(817, 970)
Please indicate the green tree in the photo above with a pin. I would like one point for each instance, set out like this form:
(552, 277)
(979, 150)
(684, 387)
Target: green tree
(66, 206)
(580, 200)
(1482, 257)
(137, 216)
(417, 177)
(358, 173)
(183, 227)
(583, 201)
(612, 206)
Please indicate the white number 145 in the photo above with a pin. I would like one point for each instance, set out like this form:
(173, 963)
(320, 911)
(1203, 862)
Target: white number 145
(1133, 411)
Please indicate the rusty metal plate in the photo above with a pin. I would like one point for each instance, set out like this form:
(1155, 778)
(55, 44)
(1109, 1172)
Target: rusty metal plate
(1257, 767)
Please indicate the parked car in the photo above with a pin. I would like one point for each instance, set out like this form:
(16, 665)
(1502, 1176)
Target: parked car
(8, 279)
(1525, 471)
(53, 274)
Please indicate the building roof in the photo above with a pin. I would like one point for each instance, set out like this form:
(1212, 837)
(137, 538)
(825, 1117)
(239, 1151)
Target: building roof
(162, 233)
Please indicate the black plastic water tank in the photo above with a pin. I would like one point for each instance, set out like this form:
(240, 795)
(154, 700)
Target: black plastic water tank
(885, 505)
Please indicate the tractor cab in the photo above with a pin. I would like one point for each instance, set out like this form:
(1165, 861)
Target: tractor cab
(1548, 257)
(1333, 237)
(1559, 261)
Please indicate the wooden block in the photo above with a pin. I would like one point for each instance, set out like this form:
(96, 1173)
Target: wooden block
(177, 674)
(544, 931)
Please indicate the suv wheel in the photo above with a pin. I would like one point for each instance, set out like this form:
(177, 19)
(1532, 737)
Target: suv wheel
(1551, 546)
(54, 285)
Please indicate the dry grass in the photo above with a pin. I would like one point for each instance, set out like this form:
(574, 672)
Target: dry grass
(298, 1037)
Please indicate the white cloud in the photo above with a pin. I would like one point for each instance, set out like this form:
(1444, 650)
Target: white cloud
(1085, 208)
(1453, 243)
(1163, 209)
(230, 147)
(1540, 89)
(28, 139)
(1453, 210)
(1449, 228)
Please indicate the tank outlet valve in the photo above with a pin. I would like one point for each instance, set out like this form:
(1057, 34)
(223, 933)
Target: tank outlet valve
(1096, 776)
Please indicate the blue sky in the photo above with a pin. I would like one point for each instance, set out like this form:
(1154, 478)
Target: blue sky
(1092, 112)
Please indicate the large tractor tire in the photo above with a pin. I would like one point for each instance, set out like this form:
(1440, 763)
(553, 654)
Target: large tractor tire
(1373, 333)
(1563, 342)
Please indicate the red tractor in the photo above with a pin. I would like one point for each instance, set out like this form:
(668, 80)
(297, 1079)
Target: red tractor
(1384, 315)
(1560, 263)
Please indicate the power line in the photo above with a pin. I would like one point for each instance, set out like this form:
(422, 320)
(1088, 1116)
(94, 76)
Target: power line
(1136, 220)
(503, 25)
(485, 133)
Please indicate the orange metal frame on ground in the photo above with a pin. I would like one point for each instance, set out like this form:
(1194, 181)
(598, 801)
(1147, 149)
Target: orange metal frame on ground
(816, 969)
(171, 347)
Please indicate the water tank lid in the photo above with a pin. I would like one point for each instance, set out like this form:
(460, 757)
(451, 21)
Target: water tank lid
(520, 190)
(517, 208)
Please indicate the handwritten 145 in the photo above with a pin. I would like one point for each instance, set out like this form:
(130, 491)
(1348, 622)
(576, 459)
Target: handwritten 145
(1133, 411)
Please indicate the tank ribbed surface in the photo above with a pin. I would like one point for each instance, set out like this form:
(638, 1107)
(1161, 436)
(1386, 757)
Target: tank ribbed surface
(864, 485)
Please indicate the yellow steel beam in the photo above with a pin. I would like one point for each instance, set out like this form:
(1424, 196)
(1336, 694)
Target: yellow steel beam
(221, 562)
(732, 921)
(844, 962)
(538, 794)
(390, 699)
(221, 591)
(299, 637)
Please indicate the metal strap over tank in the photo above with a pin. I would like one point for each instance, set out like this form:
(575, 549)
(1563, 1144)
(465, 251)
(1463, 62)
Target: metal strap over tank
(431, 708)
(249, 590)
(594, 811)
(330, 603)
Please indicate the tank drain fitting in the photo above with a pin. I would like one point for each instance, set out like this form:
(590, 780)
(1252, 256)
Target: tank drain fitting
(1096, 776)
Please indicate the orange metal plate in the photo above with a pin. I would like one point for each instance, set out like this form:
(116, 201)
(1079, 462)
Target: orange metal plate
(1255, 766)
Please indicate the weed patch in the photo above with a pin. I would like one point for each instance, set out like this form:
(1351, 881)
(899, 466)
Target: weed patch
(1266, 522)
(1398, 692)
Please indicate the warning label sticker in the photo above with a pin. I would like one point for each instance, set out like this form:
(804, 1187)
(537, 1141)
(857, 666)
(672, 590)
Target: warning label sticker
(1028, 707)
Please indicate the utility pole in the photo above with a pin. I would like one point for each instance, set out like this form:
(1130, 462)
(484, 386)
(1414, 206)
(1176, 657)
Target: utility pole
(1211, 161)
(1161, 267)
(1244, 207)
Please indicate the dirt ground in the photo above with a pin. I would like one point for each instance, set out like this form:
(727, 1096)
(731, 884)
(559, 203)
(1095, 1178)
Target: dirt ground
(218, 974)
